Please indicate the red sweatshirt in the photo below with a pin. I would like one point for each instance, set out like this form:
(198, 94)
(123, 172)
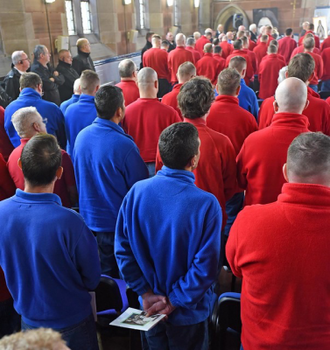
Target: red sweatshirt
(317, 112)
(197, 56)
(253, 60)
(252, 45)
(325, 44)
(6, 146)
(301, 49)
(227, 49)
(7, 187)
(281, 250)
(326, 63)
(228, 118)
(157, 60)
(199, 46)
(130, 91)
(171, 98)
(209, 67)
(262, 156)
(316, 38)
(144, 120)
(260, 51)
(175, 58)
(268, 75)
(61, 186)
(249, 68)
(216, 169)
(221, 60)
(286, 46)
(318, 71)
(270, 38)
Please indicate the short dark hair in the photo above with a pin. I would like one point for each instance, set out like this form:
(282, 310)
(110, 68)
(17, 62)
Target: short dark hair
(195, 97)
(217, 49)
(272, 49)
(238, 44)
(288, 31)
(89, 81)
(178, 144)
(238, 63)
(29, 80)
(41, 157)
(311, 26)
(228, 81)
(215, 41)
(301, 66)
(107, 100)
(309, 155)
(149, 35)
(264, 38)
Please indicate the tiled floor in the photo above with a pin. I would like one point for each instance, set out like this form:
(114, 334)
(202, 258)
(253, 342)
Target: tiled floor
(114, 338)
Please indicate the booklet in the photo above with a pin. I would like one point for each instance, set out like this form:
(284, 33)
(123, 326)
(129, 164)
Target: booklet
(136, 319)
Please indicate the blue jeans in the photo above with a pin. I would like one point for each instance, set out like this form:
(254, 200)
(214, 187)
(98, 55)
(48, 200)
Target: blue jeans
(233, 206)
(165, 336)
(10, 320)
(151, 168)
(314, 87)
(325, 85)
(105, 242)
(81, 336)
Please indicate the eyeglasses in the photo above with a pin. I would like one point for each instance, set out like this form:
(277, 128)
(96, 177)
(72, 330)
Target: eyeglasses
(26, 59)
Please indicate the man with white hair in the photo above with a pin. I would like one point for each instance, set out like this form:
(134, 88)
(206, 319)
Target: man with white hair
(263, 186)
(128, 72)
(204, 39)
(281, 251)
(305, 27)
(146, 118)
(178, 56)
(196, 35)
(156, 58)
(253, 32)
(230, 37)
(74, 98)
(219, 30)
(21, 63)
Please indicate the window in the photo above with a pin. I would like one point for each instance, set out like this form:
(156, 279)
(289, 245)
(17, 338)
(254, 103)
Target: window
(142, 21)
(86, 17)
(69, 17)
(177, 13)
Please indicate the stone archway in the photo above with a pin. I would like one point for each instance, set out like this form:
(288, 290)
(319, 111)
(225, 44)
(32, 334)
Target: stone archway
(227, 13)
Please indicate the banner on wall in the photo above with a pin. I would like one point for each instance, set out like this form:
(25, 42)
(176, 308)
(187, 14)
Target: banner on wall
(321, 21)
(265, 16)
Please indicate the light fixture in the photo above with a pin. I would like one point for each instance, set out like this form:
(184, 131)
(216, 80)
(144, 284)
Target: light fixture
(127, 2)
(196, 3)
(49, 1)
(169, 3)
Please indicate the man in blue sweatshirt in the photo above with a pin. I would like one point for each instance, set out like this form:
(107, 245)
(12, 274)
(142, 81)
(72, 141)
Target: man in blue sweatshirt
(167, 244)
(47, 252)
(107, 164)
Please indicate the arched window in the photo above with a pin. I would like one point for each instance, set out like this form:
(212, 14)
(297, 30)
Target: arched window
(142, 17)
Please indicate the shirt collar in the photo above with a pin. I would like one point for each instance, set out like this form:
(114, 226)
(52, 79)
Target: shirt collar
(38, 197)
(112, 125)
(196, 121)
(184, 175)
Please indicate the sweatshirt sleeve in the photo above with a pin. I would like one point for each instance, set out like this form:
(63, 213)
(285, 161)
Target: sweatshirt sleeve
(135, 168)
(190, 288)
(126, 261)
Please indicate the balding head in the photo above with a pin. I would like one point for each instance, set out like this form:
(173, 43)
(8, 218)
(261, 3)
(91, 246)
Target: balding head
(147, 82)
(230, 35)
(180, 39)
(241, 28)
(208, 48)
(305, 25)
(291, 96)
(229, 82)
(197, 35)
(186, 71)
(308, 159)
(238, 63)
(127, 69)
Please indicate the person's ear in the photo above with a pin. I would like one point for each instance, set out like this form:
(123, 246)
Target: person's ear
(217, 88)
(59, 172)
(238, 90)
(306, 105)
(275, 106)
(286, 75)
(311, 77)
(285, 172)
(19, 163)
(97, 87)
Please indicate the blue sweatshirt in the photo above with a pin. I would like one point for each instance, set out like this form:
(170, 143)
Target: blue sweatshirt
(107, 164)
(168, 239)
(49, 258)
(77, 117)
(65, 104)
(30, 97)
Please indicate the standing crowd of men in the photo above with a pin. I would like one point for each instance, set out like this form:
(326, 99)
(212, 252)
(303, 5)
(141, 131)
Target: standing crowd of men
(175, 172)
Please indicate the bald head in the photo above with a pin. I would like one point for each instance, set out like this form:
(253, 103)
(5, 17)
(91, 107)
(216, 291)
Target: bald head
(76, 87)
(308, 159)
(147, 82)
(180, 39)
(291, 96)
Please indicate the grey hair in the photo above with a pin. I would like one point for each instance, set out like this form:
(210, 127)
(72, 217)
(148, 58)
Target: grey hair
(16, 57)
(23, 119)
(38, 50)
(126, 68)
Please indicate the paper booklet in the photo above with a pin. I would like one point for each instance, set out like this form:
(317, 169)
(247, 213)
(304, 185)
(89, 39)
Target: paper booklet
(136, 319)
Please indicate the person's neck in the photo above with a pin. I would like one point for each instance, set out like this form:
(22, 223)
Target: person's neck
(43, 63)
(309, 50)
(39, 189)
(148, 94)
(155, 47)
(127, 79)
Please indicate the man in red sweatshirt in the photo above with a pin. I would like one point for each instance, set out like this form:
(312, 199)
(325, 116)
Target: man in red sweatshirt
(208, 66)
(263, 153)
(146, 118)
(316, 38)
(156, 58)
(261, 49)
(127, 71)
(309, 45)
(281, 251)
(301, 66)
(186, 71)
(226, 47)
(286, 45)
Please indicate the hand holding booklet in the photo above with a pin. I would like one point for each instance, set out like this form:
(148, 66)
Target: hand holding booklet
(136, 319)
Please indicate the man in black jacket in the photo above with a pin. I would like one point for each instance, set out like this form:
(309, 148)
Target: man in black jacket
(51, 79)
(83, 60)
(146, 47)
(64, 67)
(20, 64)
